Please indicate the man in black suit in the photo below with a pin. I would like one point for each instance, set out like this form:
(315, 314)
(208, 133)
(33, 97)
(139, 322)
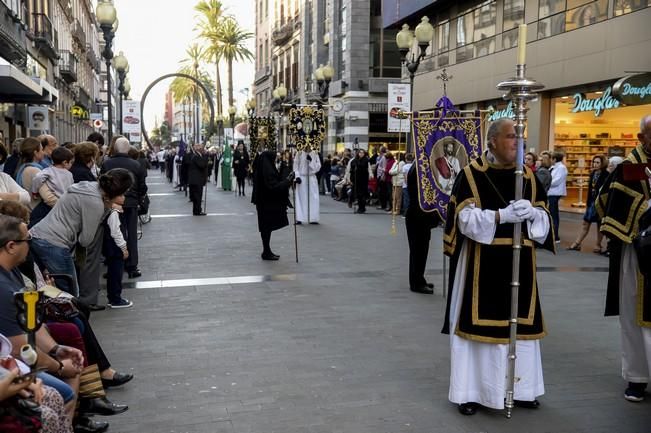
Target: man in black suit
(197, 175)
(137, 192)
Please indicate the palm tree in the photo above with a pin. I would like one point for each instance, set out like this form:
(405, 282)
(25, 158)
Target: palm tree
(211, 15)
(232, 47)
(185, 90)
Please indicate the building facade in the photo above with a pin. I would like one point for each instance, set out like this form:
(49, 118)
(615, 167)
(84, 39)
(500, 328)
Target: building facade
(51, 69)
(576, 48)
(295, 37)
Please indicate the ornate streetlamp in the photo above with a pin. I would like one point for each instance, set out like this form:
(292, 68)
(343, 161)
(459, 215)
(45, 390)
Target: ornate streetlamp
(405, 40)
(121, 66)
(108, 23)
(280, 94)
(231, 114)
(323, 76)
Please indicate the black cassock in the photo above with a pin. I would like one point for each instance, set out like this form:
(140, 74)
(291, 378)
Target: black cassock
(419, 226)
(622, 204)
(270, 193)
(486, 304)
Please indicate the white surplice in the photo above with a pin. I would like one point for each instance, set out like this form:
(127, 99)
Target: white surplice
(636, 340)
(478, 370)
(306, 171)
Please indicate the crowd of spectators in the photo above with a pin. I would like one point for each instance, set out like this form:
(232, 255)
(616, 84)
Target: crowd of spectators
(63, 211)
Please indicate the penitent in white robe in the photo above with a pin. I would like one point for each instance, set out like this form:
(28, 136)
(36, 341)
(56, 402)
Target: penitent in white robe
(478, 370)
(306, 171)
(636, 340)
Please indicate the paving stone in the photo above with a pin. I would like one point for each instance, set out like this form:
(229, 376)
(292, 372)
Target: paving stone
(335, 343)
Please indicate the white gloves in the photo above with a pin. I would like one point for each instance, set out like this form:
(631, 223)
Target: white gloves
(517, 212)
(509, 215)
(524, 209)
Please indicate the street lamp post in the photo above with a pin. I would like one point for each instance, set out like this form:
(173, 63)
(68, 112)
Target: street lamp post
(323, 75)
(121, 66)
(108, 23)
(280, 93)
(231, 113)
(405, 39)
(220, 126)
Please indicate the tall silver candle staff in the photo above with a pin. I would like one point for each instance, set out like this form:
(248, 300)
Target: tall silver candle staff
(520, 90)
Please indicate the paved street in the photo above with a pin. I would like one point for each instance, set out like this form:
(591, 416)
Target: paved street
(221, 341)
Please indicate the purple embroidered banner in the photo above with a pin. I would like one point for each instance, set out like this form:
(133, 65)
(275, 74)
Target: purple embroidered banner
(445, 141)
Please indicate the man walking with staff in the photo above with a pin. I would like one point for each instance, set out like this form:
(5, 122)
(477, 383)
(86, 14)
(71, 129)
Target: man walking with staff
(479, 236)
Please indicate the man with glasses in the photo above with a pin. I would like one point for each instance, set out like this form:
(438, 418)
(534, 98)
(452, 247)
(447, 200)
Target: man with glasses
(479, 239)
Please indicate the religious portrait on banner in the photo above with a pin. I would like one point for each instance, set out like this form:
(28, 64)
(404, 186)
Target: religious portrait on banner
(446, 140)
(447, 158)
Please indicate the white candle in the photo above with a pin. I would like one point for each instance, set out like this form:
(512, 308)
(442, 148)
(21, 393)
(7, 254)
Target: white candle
(522, 43)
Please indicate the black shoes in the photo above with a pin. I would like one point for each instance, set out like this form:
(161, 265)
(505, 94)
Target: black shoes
(430, 285)
(314, 222)
(635, 392)
(269, 256)
(118, 379)
(87, 425)
(135, 273)
(425, 290)
(526, 404)
(468, 408)
(199, 214)
(101, 406)
(298, 223)
(96, 307)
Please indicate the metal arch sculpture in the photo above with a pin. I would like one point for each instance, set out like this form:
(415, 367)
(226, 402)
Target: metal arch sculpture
(163, 77)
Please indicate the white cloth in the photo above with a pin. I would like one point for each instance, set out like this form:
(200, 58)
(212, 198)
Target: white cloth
(9, 185)
(175, 170)
(559, 177)
(636, 340)
(113, 222)
(306, 171)
(405, 172)
(478, 370)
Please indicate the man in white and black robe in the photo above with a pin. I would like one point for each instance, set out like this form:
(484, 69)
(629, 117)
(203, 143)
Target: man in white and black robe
(306, 166)
(625, 205)
(478, 238)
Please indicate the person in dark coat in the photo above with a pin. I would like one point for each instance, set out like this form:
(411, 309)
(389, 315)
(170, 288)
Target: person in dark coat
(241, 163)
(134, 195)
(359, 174)
(197, 175)
(419, 226)
(85, 155)
(183, 174)
(271, 198)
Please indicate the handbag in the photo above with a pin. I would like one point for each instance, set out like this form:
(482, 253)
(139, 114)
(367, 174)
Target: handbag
(60, 309)
(143, 205)
(590, 214)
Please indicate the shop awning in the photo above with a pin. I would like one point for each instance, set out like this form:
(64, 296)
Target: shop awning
(14, 85)
(17, 87)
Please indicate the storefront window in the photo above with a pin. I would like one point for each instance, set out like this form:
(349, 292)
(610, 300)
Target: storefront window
(550, 7)
(589, 124)
(513, 16)
(513, 13)
(443, 43)
(590, 13)
(627, 6)
(551, 26)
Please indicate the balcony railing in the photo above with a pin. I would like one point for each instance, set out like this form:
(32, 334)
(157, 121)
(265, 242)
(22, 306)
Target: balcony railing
(78, 34)
(68, 64)
(45, 36)
(12, 36)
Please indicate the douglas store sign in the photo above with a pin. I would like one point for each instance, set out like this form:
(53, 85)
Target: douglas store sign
(598, 105)
(631, 90)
